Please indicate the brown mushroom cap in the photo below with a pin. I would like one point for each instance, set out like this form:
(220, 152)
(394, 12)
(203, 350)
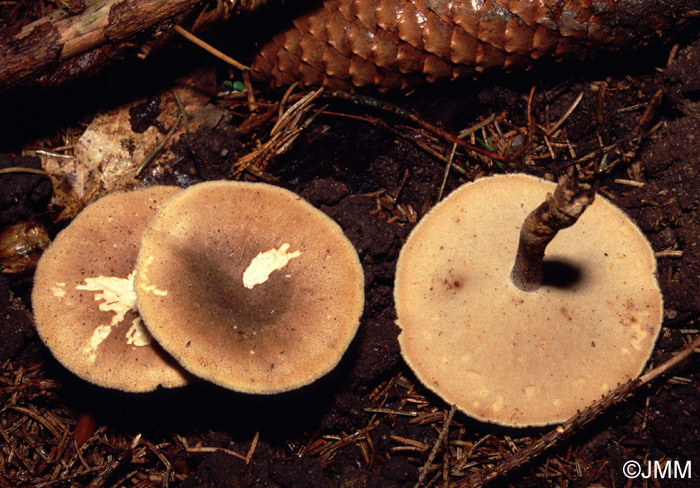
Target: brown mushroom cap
(522, 358)
(83, 296)
(249, 286)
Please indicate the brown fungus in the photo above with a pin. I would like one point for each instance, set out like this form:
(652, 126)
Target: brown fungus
(249, 286)
(510, 356)
(84, 300)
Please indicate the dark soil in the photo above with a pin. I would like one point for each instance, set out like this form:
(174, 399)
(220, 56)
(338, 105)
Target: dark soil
(23, 195)
(334, 433)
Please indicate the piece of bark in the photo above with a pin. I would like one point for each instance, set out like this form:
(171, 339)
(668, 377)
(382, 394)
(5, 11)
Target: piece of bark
(43, 44)
(560, 210)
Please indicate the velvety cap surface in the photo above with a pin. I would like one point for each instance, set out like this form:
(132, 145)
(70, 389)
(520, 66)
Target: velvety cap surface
(524, 358)
(249, 286)
(84, 300)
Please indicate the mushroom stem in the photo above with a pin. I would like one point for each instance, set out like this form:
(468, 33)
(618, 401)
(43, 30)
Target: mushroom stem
(560, 210)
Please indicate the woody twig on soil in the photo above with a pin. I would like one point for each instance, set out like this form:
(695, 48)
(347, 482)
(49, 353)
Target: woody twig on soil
(59, 36)
(447, 172)
(209, 48)
(649, 111)
(403, 113)
(159, 147)
(20, 169)
(328, 452)
(441, 438)
(551, 130)
(389, 411)
(287, 128)
(209, 449)
(123, 458)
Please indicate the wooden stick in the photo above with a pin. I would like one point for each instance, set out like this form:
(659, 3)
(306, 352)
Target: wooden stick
(61, 35)
(431, 457)
(209, 48)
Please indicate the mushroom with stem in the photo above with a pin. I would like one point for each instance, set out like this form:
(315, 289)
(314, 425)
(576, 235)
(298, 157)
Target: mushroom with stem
(512, 336)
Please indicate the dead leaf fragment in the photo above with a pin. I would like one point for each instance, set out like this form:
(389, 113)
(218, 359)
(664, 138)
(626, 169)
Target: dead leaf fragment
(108, 154)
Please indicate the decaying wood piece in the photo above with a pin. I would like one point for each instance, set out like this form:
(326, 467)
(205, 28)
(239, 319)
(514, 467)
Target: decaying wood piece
(560, 210)
(64, 34)
(400, 43)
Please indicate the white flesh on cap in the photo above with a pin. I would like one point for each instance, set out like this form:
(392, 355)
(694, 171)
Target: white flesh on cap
(249, 286)
(84, 299)
(262, 265)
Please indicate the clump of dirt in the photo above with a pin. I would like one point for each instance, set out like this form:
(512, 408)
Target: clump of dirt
(145, 115)
(22, 194)
(206, 155)
(667, 207)
(16, 325)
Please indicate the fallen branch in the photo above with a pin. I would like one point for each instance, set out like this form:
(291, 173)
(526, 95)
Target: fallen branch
(45, 43)
(575, 423)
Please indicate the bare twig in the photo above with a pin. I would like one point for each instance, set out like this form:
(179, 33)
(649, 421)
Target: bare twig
(436, 446)
(209, 48)
(123, 458)
(408, 115)
(21, 169)
(60, 36)
(208, 449)
(566, 115)
(156, 150)
(251, 450)
(447, 172)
